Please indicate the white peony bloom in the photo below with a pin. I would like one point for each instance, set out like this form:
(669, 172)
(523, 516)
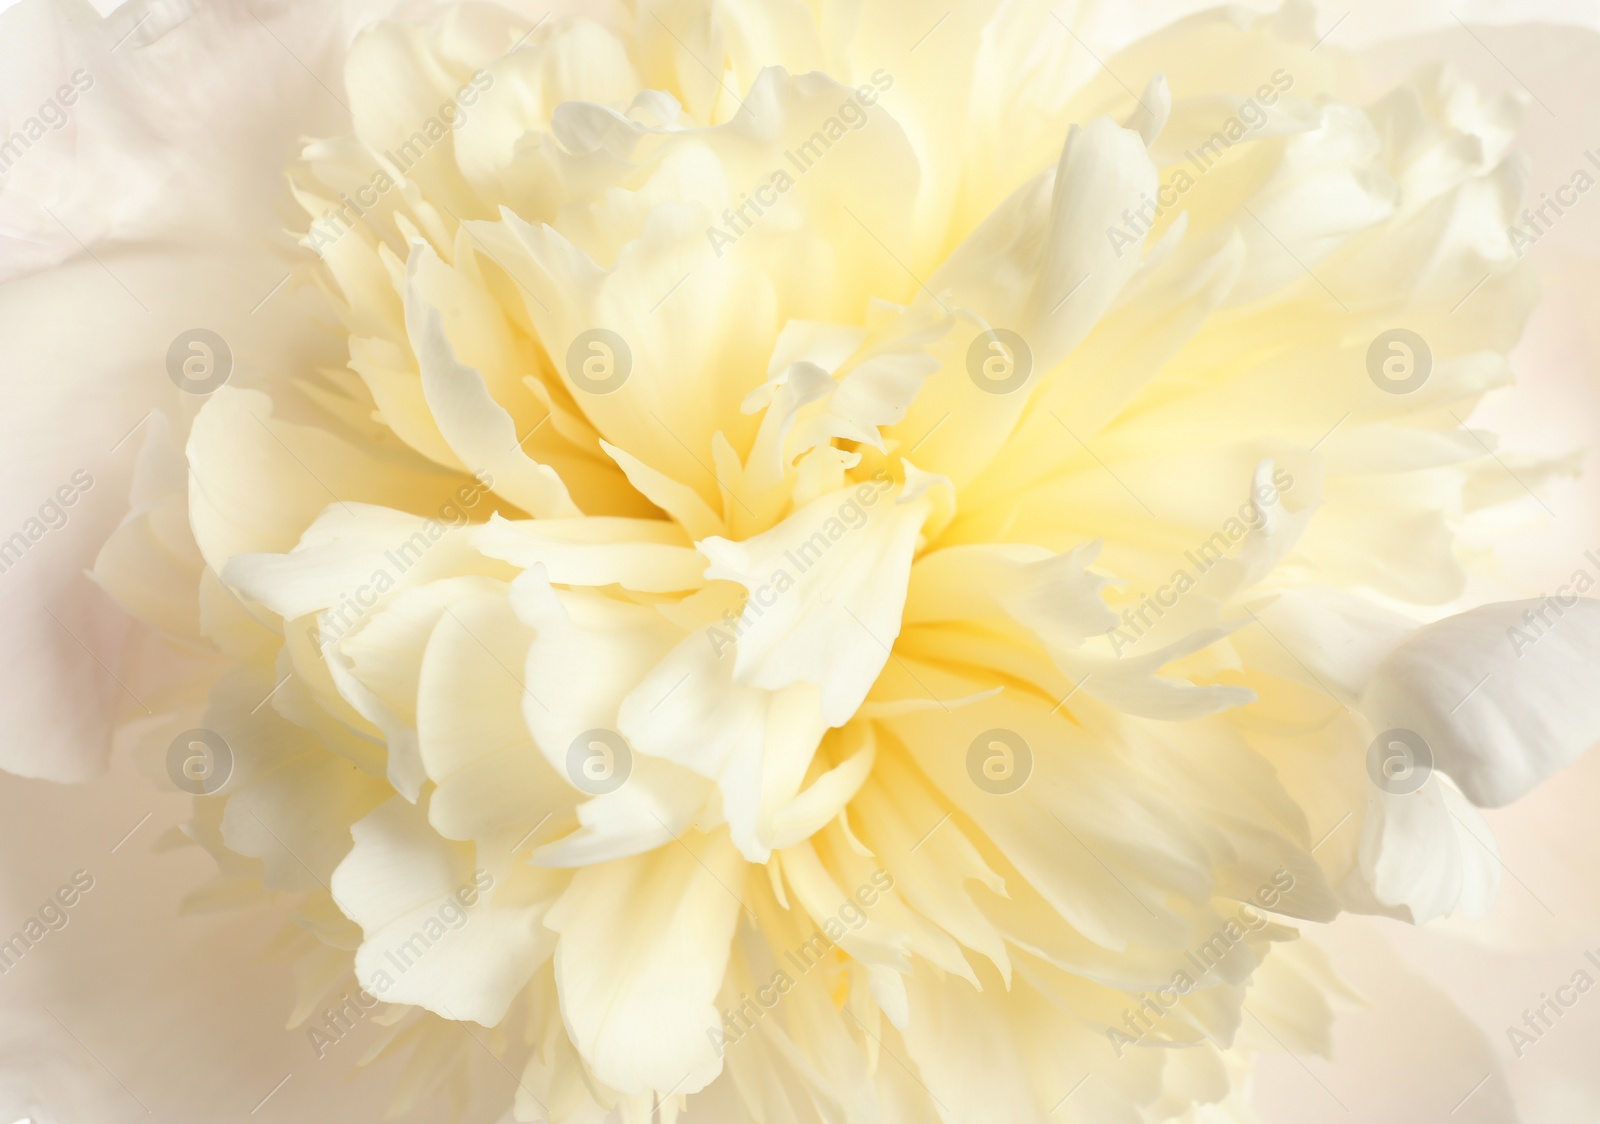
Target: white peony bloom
(778, 563)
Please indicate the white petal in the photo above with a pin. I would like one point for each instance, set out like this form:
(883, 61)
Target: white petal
(296, 815)
(1430, 851)
(436, 931)
(353, 560)
(1504, 695)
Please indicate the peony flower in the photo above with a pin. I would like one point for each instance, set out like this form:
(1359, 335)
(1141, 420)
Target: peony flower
(872, 568)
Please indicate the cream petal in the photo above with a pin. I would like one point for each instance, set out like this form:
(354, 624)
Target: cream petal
(649, 555)
(472, 737)
(782, 398)
(395, 83)
(480, 431)
(885, 942)
(825, 798)
(150, 563)
(1154, 108)
(756, 744)
(688, 709)
(819, 612)
(932, 864)
(1135, 684)
(588, 651)
(1053, 594)
(1323, 193)
(655, 806)
(1127, 349)
(257, 482)
(643, 943)
(678, 500)
(378, 670)
(1022, 271)
(997, 1054)
(1073, 801)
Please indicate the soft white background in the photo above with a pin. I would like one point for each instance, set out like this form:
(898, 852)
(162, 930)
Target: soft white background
(189, 1013)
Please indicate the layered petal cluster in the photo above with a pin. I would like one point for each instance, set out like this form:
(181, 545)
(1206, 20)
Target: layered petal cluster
(860, 564)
